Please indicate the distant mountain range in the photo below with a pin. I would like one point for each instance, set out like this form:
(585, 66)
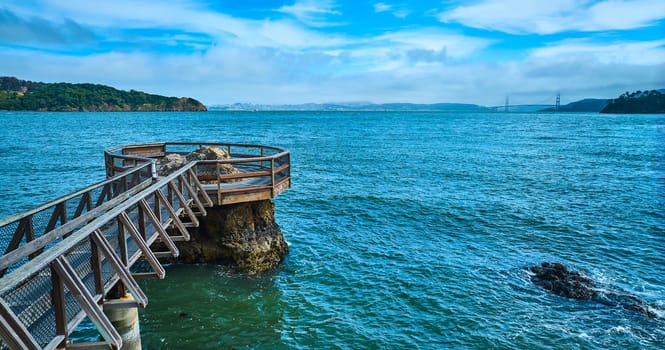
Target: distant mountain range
(588, 105)
(352, 106)
(585, 105)
(16, 94)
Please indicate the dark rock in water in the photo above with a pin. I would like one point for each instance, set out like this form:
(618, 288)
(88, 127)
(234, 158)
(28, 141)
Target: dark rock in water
(556, 278)
(243, 236)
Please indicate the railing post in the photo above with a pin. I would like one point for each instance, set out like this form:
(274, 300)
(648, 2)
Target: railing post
(272, 177)
(219, 185)
(153, 169)
(59, 305)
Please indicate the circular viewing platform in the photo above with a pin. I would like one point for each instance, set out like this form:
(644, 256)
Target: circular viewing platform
(230, 173)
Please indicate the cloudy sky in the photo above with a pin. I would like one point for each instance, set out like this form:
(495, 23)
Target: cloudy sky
(298, 51)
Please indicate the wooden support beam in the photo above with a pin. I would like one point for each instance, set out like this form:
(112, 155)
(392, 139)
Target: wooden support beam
(123, 272)
(96, 264)
(195, 197)
(183, 203)
(200, 189)
(122, 242)
(143, 246)
(141, 224)
(86, 301)
(85, 203)
(176, 220)
(158, 209)
(16, 240)
(13, 332)
(59, 213)
(59, 306)
(166, 239)
(106, 193)
(145, 275)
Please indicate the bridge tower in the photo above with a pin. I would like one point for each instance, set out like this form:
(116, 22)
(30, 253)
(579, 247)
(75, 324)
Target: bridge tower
(558, 102)
(507, 104)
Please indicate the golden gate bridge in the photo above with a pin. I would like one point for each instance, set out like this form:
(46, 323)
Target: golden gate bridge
(507, 106)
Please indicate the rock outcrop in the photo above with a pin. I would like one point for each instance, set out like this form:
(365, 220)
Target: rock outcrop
(243, 236)
(556, 278)
(174, 161)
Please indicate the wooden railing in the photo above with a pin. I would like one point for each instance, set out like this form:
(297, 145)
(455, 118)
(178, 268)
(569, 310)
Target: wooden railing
(264, 171)
(42, 225)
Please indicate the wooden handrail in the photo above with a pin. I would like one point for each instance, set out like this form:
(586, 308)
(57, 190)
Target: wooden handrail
(16, 217)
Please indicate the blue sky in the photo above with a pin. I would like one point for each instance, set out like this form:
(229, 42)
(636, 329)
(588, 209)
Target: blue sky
(302, 51)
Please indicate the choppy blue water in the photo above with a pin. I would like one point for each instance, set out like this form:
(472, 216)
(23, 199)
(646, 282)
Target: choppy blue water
(407, 230)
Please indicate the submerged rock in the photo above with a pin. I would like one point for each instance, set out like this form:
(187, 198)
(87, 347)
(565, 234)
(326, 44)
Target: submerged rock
(243, 236)
(556, 278)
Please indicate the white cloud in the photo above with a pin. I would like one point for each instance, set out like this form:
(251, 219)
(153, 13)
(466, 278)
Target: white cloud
(527, 16)
(402, 13)
(228, 74)
(382, 7)
(186, 16)
(643, 53)
(432, 39)
(283, 61)
(397, 11)
(313, 13)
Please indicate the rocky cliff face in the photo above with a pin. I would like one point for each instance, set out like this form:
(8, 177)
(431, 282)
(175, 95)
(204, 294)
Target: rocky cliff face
(244, 236)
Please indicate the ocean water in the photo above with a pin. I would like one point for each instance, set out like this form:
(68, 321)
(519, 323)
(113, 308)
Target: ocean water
(406, 230)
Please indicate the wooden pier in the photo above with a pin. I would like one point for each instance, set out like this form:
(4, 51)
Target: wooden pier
(62, 258)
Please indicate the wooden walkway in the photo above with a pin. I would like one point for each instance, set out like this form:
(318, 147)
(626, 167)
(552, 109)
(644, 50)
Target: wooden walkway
(63, 257)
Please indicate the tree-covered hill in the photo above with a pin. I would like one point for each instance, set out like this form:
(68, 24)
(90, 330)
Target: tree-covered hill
(638, 102)
(585, 105)
(16, 94)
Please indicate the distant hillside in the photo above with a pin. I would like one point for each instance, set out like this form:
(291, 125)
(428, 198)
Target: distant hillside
(585, 105)
(21, 95)
(638, 102)
(351, 106)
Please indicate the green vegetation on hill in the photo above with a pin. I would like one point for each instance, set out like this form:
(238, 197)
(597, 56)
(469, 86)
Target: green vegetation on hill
(16, 94)
(639, 102)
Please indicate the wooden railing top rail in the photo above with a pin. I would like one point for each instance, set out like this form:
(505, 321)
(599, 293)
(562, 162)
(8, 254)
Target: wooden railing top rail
(264, 169)
(116, 149)
(16, 217)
